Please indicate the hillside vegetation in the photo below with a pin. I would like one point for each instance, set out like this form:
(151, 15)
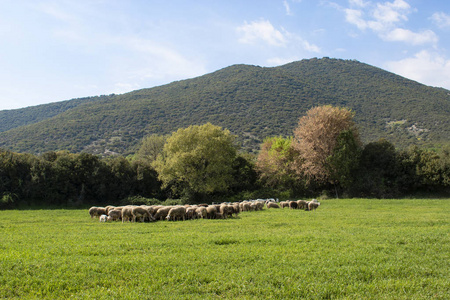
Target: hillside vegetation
(252, 102)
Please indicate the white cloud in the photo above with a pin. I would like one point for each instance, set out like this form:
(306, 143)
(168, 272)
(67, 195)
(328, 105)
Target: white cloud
(426, 67)
(354, 16)
(385, 19)
(441, 19)
(407, 36)
(256, 31)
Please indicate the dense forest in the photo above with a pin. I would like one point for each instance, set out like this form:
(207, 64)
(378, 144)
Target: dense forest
(252, 102)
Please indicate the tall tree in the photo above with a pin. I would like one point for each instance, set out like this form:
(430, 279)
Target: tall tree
(316, 139)
(197, 160)
(275, 161)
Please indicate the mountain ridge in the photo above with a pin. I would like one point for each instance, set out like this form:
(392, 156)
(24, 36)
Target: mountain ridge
(252, 102)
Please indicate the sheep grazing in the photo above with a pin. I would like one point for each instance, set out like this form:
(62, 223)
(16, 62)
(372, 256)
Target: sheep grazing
(312, 205)
(127, 214)
(190, 213)
(284, 204)
(302, 204)
(272, 205)
(201, 212)
(236, 208)
(115, 214)
(211, 211)
(103, 218)
(293, 205)
(246, 206)
(176, 213)
(162, 212)
(95, 211)
(226, 210)
(141, 214)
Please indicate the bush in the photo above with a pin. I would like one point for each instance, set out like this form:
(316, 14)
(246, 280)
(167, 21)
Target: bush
(139, 200)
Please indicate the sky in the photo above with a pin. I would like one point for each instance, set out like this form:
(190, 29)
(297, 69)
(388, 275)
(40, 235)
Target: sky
(55, 50)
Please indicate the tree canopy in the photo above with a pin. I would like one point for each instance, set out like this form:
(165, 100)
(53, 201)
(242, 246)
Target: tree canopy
(197, 160)
(316, 138)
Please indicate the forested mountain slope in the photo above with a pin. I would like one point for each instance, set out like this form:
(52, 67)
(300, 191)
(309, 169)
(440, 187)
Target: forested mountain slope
(252, 102)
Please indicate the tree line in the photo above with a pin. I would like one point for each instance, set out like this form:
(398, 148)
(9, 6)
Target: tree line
(201, 163)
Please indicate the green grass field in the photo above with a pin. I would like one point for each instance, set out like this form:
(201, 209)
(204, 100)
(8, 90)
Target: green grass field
(347, 249)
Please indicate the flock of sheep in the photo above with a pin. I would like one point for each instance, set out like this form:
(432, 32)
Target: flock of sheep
(150, 213)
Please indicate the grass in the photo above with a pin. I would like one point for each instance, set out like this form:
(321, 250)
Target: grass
(347, 249)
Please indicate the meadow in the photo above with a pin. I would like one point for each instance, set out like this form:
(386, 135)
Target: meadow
(347, 249)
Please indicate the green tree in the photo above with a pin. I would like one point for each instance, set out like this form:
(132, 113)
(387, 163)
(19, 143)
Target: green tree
(151, 147)
(275, 162)
(344, 162)
(197, 160)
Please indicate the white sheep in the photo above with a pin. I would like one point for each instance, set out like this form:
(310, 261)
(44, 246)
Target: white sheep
(103, 218)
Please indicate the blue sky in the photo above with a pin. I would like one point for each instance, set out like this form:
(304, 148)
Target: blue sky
(54, 50)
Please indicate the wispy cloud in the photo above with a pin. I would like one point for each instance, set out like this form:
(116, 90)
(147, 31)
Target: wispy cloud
(287, 7)
(442, 20)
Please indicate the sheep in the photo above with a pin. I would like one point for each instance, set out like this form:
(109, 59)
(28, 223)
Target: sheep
(260, 205)
(225, 210)
(108, 208)
(284, 204)
(190, 213)
(293, 205)
(211, 211)
(236, 208)
(115, 214)
(312, 205)
(103, 218)
(272, 205)
(95, 211)
(178, 212)
(162, 212)
(141, 213)
(302, 204)
(201, 212)
(246, 206)
(127, 214)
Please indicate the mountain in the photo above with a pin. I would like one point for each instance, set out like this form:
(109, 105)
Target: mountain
(252, 102)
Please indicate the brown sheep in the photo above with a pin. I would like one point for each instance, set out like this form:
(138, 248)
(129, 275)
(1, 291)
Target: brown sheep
(293, 205)
(226, 210)
(95, 211)
(246, 206)
(178, 212)
(141, 213)
(312, 205)
(115, 214)
(272, 205)
(236, 208)
(302, 204)
(284, 204)
(162, 212)
(190, 213)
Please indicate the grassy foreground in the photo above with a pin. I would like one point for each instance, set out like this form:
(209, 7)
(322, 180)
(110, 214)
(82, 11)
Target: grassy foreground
(347, 249)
